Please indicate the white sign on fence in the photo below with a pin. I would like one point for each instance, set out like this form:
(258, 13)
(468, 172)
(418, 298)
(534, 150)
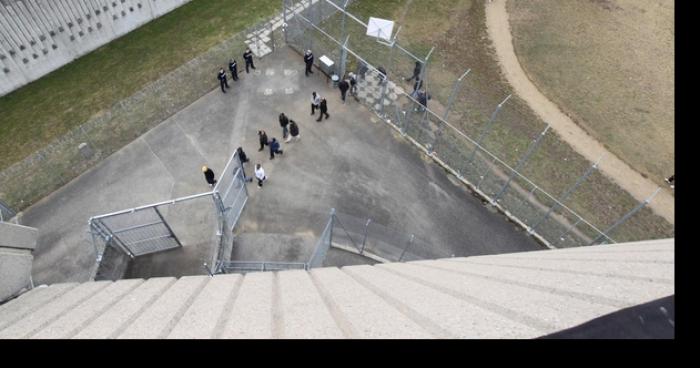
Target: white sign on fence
(380, 28)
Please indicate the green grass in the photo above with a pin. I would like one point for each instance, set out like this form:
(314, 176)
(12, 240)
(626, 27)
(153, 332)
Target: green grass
(46, 109)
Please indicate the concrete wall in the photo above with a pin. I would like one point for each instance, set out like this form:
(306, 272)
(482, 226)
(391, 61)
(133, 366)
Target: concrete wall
(521, 295)
(17, 243)
(39, 36)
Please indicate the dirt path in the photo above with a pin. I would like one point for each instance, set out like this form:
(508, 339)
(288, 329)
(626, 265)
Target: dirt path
(614, 168)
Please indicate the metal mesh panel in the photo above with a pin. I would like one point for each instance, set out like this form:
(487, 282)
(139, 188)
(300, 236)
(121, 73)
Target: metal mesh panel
(324, 243)
(140, 232)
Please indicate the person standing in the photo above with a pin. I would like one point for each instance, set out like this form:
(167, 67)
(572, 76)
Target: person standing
(283, 123)
(293, 130)
(315, 102)
(243, 158)
(263, 139)
(260, 175)
(233, 67)
(248, 56)
(309, 61)
(343, 86)
(275, 148)
(209, 176)
(416, 72)
(324, 110)
(353, 84)
(671, 180)
(222, 80)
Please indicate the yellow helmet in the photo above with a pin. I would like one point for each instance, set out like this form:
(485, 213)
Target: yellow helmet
(204, 168)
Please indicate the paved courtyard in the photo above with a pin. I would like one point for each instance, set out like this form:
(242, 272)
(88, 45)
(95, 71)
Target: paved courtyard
(352, 162)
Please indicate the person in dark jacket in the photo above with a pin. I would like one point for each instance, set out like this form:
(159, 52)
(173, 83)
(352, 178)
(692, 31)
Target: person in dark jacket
(343, 86)
(233, 67)
(309, 61)
(208, 175)
(243, 159)
(248, 56)
(275, 148)
(383, 77)
(324, 110)
(284, 121)
(263, 139)
(222, 80)
(418, 85)
(416, 72)
(294, 130)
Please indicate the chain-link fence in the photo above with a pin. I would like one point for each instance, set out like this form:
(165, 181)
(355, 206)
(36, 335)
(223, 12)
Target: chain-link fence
(369, 238)
(504, 179)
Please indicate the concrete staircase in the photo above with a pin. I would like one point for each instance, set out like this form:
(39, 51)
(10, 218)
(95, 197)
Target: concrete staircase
(521, 295)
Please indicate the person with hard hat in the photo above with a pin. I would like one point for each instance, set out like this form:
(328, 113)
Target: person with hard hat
(209, 175)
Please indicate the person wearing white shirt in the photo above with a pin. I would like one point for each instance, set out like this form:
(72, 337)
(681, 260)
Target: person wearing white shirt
(260, 175)
(315, 102)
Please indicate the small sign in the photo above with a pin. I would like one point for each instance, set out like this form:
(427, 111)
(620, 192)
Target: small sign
(380, 28)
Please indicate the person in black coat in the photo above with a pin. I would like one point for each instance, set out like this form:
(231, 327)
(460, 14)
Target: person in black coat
(208, 175)
(283, 123)
(233, 67)
(293, 130)
(343, 86)
(243, 158)
(222, 80)
(263, 139)
(248, 56)
(275, 148)
(324, 110)
(309, 61)
(416, 72)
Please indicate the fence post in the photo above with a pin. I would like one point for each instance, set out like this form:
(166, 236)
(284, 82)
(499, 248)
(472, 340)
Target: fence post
(167, 226)
(364, 239)
(567, 193)
(206, 268)
(487, 130)
(284, 21)
(330, 236)
(343, 57)
(457, 84)
(627, 216)
(386, 78)
(520, 164)
(406, 248)
(343, 35)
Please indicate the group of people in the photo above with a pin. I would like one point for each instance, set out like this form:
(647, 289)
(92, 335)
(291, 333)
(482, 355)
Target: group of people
(233, 68)
(290, 129)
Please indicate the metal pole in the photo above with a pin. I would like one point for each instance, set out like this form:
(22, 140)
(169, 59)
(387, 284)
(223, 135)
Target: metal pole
(167, 226)
(627, 216)
(344, 57)
(206, 268)
(487, 129)
(386, 78)
(343, 35)
(567, 193)
(521, 163)
(364, 239)
(284, 21)
(457, 84)
(406, 248)
(330, 236)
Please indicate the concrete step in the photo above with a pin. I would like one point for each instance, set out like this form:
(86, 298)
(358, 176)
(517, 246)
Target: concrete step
(475, 297)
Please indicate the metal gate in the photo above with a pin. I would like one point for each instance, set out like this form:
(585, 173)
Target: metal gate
(137, 231)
